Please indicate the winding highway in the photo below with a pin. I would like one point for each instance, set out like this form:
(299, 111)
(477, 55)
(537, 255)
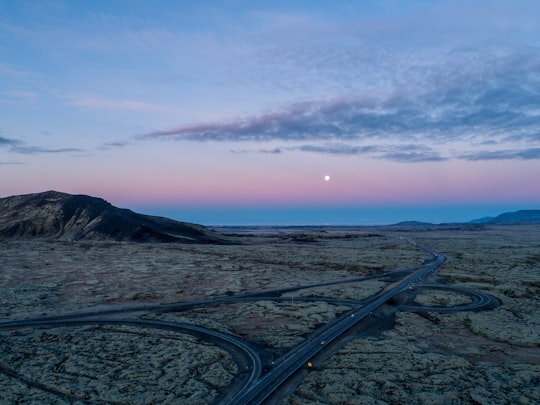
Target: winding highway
(299, 358)
(256, 384)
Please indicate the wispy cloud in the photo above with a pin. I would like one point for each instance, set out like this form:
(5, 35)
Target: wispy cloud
(299, 122)
(491, 102)
(111, 104)
(412, 157)
(398, 153)
(18, 146)
(275, 151)
(523, 154)
(428, 84)
(338, 149)
(114, 145)
(9, 142)
(34, 150)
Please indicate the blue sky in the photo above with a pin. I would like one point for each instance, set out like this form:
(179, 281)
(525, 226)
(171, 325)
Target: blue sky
(234, 111)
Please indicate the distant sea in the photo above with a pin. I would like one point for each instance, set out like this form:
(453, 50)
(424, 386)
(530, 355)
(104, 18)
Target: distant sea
(382, 215)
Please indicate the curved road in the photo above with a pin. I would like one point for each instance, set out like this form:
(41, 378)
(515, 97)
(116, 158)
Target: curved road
(258, 386)
(299, 358)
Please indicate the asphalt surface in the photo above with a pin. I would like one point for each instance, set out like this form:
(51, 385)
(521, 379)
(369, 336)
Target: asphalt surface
(256, 384)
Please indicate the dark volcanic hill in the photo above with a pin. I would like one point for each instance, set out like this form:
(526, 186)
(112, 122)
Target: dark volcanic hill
(55, 215)
(413, 223)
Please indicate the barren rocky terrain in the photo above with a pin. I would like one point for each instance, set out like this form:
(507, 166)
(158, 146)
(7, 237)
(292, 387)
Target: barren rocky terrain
(487, 357)
(482, 357)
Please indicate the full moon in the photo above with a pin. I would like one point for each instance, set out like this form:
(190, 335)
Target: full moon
(327, 178)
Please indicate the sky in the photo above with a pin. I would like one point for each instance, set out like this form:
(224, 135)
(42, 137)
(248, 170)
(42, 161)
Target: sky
(233, 112)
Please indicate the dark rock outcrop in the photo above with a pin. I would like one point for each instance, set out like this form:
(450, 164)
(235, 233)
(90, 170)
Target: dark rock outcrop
(55, 215)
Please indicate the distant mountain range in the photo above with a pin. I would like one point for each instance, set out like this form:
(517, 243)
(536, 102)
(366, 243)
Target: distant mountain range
(55, 215)
(521, 217)
(517, 217)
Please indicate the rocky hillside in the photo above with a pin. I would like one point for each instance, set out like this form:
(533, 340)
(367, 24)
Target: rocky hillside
(56, 215)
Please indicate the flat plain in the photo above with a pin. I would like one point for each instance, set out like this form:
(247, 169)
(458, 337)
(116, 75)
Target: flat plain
(482, 357)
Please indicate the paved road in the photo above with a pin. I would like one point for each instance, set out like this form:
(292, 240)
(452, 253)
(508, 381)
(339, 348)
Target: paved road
(246, 357)
(257, 393)
(257, 384)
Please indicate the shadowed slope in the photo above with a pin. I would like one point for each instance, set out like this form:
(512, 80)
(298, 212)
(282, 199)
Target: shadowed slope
(52, 214)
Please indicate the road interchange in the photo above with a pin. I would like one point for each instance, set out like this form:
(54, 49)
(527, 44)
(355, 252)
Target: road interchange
(259, 384)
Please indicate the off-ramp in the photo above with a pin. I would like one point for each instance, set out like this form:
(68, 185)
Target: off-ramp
(255, 383)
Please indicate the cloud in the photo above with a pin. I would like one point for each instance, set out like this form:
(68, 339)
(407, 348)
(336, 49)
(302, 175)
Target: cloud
(34, 150)
(397, 153)
(338, 149)
(114, 145)
(275, 151)
(110, 104)
(18, 146)
(298, 122)
(492, 101)
(9, 142)
(524, 154)
(412, 157)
